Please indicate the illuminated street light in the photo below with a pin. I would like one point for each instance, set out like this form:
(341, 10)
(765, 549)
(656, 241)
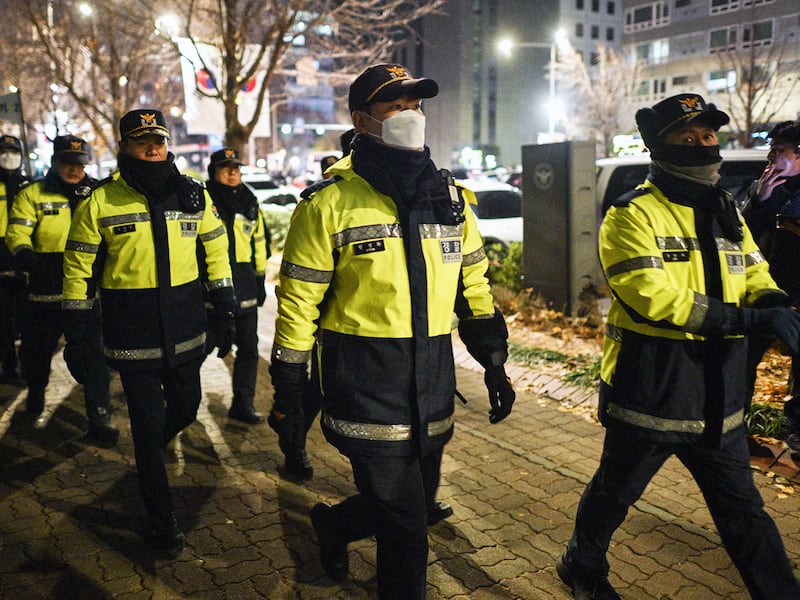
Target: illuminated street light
(506, 45)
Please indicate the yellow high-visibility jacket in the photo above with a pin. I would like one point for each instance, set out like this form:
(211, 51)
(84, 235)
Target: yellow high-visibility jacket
(248, 248)
(383, 288)
(665, 261)
(8, 192)
(39, 221)
(142, 256)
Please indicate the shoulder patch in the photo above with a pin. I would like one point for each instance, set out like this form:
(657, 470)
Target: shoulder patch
(628, 197)
(314, 188)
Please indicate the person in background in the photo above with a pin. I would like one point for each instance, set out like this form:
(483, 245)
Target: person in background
(376, 258)
(772, 212)
(248, 248)
(689, 284)
(12, 282)
(37, 235)
(135, 240)
(325, 162)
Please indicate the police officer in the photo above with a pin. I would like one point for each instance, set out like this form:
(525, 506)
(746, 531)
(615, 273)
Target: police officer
(12, 283)
(689, 283)
(37, 235)
(378, 255)
(248, 248)
(135, 240)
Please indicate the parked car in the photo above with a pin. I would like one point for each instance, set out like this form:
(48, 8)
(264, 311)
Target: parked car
(268, 192)
(498, 212)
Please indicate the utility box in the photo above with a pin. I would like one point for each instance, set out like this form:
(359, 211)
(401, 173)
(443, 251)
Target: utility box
(559, 222)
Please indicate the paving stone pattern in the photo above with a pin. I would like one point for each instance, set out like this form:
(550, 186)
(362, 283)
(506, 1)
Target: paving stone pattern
(70, 513)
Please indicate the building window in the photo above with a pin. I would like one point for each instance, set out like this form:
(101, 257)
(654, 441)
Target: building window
(682, 3)
(722, 39)
(721, 80)
(757, 34)
(611, 8)
(722, 6)
(609, 34)
(579, 30)
(680, 80)
(647, 16)
(579, 4)
(595, 32)
(653, 53)
(595, 5)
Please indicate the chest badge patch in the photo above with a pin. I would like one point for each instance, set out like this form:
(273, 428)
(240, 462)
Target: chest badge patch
(120, 229)
(188, 229)
(368, 247)
(735, 264)
(451, 250)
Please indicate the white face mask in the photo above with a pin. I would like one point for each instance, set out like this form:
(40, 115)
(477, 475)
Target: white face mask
(10, 161)
(405, 130)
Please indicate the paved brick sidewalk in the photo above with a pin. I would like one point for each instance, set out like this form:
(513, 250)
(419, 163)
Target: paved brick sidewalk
(70, 512)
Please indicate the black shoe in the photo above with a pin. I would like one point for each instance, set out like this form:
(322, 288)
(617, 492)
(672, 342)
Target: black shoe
(298, 466)
(165, 535)
(332, 553)
(100, 427)
(34, 401)
(584, 588)
(440, 512)
(245, 414)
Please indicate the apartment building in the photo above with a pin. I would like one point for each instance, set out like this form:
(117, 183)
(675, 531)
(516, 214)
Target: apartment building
(722, 49)
(495, 100)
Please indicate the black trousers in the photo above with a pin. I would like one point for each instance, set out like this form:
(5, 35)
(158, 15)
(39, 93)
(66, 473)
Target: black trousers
(748, 533)
(245, 365)
(42, 325)
(395, 493)
(12, 291)
(160, 404)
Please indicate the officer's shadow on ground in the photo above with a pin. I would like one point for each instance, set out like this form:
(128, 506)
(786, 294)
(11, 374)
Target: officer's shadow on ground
(453, 551)
(59, 435)
(116, 519)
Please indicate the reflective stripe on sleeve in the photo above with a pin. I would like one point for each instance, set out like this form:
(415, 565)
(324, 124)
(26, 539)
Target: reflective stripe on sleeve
(305, 274)
(634, 264)
(473, 258)
(216, 284)
(289, 355)
(82, 247)
(212, 235)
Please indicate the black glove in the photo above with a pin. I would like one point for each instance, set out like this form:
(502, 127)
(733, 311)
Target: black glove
(26, 260)
(223, 332)
(782, 322)
(286, 417)
(501, 393)
(261, 290)
(77, 356)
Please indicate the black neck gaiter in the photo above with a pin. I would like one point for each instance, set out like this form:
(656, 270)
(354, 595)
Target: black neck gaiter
(378, 163)
(147, 177)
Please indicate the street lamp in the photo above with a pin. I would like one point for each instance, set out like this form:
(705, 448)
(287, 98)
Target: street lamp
(506, 45)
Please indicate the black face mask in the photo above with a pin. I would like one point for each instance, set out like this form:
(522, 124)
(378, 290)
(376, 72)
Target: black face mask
(686, 156)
